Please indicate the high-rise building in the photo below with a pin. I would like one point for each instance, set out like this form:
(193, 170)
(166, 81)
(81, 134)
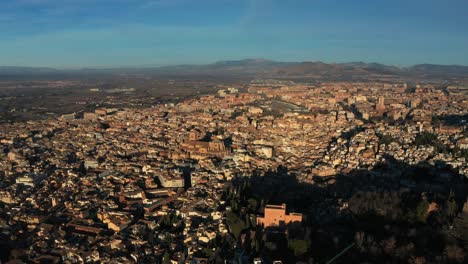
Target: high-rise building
(380, 104)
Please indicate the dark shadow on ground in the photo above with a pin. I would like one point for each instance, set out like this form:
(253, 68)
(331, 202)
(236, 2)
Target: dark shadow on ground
(394, 212)
(453, 120)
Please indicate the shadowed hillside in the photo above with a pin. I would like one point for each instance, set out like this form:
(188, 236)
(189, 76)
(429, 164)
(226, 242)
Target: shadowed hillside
(394, 213)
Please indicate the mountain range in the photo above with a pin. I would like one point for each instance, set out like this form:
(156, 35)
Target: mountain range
(260, 68)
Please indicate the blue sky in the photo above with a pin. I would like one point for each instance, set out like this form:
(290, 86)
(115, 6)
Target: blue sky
(78, 33)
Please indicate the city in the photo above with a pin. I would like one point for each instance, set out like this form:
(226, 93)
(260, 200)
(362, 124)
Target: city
(205, 179)
(233, 132)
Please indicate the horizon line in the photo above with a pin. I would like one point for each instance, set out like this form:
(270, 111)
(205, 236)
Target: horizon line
(156, 65)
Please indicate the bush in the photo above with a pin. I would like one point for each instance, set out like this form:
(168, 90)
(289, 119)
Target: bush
(430, 139)
(236, 225)
(386, 139)
(299, 246)
(425, 138)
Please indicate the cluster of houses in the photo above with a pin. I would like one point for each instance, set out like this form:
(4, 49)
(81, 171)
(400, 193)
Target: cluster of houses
(135, 185)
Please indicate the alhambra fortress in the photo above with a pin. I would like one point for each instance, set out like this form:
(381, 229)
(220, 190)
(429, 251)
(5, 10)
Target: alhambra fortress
(275, 215)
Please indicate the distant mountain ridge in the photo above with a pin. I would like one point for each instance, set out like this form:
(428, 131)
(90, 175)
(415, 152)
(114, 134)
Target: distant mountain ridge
(440, 69)
(26, 70)
(263, 67)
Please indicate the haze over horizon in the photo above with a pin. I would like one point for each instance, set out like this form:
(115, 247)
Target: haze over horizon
(213, 63)
(120, 33)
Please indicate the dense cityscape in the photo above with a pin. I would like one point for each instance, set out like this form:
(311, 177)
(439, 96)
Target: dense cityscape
(233, 132)
(269, 172)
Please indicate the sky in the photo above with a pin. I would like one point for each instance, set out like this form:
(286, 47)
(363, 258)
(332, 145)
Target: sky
(103, 33)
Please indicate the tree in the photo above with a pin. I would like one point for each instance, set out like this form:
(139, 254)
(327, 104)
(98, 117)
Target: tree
(451, 206)
(389, 245)
(460, 228)
(430, 139)
(253, 221)
(425, 138)
(236, 225)
(359, 238)
(166, 258)
(454, 254)
(386, 139)
(464, 153)
(299, 246)
(417, 260)
(421, 211)
(82, 169)
(257, 245)
(404, 251)
(252, 204)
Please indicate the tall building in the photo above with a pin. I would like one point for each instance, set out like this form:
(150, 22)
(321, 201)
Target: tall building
(380, 104)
